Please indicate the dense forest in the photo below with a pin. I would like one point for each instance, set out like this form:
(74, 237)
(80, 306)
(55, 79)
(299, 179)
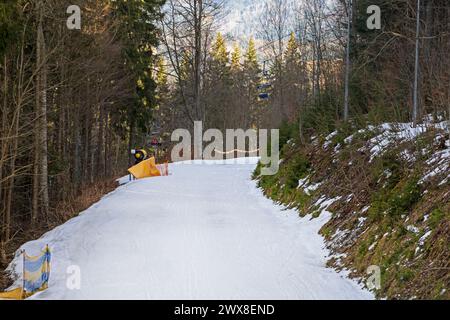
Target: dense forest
(72, 103)
(300, 52)
(75, 102)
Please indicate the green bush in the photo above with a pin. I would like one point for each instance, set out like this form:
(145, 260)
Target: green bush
(395, 201)
(401, 201)
(388, 162)
(257, 171)
(435, 218)
(296, 170)
(405, 275)
(320, 117)
(288, 131)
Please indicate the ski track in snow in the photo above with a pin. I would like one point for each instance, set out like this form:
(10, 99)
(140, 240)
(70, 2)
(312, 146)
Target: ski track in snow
(204, 232)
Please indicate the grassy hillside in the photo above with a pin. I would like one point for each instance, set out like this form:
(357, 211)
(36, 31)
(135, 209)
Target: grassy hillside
(388, 188)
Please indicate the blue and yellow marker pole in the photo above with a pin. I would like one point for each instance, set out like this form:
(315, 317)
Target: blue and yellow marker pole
(23, 274)
(48, 264)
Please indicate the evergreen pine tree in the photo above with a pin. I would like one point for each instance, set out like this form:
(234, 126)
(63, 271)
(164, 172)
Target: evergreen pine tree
(236, 58)
(139, 33)
(219, 84)
(219, 54)
(251, 74)
(9, 24)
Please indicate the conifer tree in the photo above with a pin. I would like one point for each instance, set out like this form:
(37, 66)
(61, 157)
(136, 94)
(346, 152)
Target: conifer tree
(236, 57)
(139, 33)
(292, 54)
(251, 58)
(251, 74)
(218, 87)
(219, 55)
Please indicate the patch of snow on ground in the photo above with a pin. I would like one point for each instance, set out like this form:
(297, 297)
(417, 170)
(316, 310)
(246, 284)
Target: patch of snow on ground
(435, 171)
(205, 232)
(390, 134)
(324, 203)
(307, 186)
(424, 237)
(329, 139)
(412, 229)
(349, 139)
(123, 180)
(445, 181)
(361, 221)
(340, 234)
(365, 209)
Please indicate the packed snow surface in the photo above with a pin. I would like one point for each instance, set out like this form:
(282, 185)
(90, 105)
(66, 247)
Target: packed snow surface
(204, 232)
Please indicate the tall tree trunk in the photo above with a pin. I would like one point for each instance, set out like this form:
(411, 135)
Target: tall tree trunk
(107, 158)
(198, 19)
(101, 142)
(41, 178)
(86, 146)
(15, 144)
(76, 149)
(3, 145)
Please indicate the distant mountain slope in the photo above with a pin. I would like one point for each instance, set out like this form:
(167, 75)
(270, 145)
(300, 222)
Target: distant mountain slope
(243, 19)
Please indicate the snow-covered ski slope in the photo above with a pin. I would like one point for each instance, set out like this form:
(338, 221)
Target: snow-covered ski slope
(204, 232)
